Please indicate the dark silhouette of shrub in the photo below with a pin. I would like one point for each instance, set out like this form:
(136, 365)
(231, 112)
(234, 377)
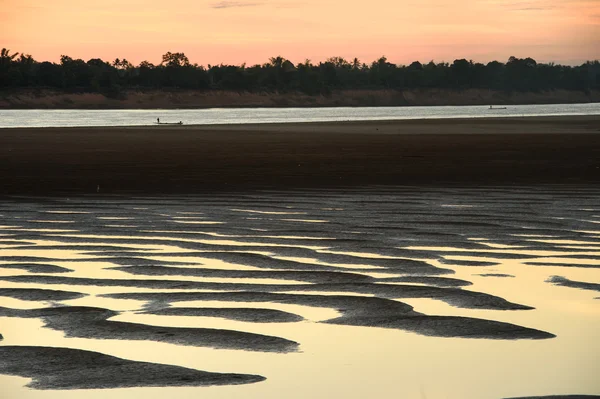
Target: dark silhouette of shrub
(281, 75)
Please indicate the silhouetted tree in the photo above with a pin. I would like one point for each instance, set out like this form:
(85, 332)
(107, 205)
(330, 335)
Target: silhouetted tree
(9, 75)
(6, 58)
(175, 59)
(122, 64)
(280, 74)
(461, 72)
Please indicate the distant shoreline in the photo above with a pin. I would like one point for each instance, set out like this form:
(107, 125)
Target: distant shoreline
(203, 99)
(209, 158)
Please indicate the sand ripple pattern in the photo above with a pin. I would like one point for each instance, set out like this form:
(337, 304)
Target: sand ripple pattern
(227, 271)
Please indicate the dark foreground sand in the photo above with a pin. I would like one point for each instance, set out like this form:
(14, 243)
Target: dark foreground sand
(65, 368)
(187, 159)
(339, 265)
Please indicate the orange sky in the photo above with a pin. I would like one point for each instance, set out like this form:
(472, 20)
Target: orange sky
(251, 31)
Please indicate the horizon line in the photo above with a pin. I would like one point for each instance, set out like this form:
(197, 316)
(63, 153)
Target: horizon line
(317, 62)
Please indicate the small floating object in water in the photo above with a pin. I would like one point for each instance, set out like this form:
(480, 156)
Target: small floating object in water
(158, 122)
(169, 123)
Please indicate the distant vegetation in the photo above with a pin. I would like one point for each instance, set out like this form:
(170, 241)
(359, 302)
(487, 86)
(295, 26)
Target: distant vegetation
(281, 75)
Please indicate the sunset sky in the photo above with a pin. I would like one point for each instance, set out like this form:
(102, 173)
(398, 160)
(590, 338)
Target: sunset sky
(251, 31)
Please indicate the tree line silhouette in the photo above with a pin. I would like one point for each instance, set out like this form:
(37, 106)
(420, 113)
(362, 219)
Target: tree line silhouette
(279, 74)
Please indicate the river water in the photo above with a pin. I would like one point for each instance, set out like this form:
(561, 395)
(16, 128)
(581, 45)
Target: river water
(503, 283)
(60, 118)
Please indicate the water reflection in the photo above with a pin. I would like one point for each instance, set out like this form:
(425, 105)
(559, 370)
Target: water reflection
(44, 118)
(339, 272)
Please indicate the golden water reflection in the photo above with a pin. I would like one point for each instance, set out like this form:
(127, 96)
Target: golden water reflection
(333, 360)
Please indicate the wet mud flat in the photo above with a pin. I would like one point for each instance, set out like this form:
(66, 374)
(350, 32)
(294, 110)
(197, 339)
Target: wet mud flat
(263, 277)
(196, 159)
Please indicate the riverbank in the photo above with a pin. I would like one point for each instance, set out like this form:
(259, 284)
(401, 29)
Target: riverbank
(180, 99)
(188, 159)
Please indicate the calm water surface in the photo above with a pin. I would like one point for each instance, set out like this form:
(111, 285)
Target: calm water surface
(521, 256)
(58, 118)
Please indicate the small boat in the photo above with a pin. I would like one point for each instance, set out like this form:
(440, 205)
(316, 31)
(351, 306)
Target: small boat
(492, 107)
(158, 122)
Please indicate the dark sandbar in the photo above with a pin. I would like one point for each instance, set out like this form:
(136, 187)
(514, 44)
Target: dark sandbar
(565, 282)
(36, 294)
(65, 368)
(468, 262)
(251, 315)
(429, 280)
(359, 311)
(36, 267)
(307, 276)
(87, 322)
(449, 326)
(582, 265)
(453, 296)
